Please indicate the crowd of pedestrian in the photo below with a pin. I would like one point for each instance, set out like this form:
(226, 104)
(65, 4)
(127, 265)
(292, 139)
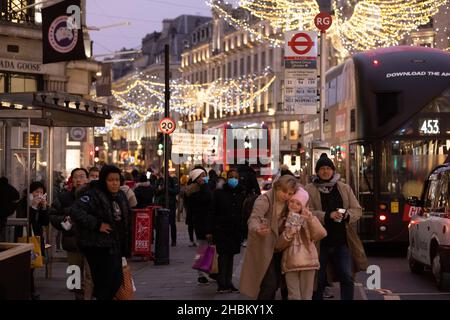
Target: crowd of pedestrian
(295, 236)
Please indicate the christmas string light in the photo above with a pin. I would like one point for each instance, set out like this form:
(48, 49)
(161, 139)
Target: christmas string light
(358, 25)
(140, 98)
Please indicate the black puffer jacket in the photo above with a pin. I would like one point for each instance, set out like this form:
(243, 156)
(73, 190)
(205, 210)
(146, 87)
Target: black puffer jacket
(59, 210)
(198, 205)
(93, 208)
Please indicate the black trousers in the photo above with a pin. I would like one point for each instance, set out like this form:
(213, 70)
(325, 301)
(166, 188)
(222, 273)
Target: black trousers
(106, 271)
(173, 225)
(225, 262)
(273, 280)
(191, 232)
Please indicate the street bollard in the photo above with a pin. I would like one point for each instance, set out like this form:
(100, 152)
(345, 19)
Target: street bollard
(162, 236)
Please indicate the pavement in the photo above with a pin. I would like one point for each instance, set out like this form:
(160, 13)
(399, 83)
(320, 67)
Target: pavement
(175, 281)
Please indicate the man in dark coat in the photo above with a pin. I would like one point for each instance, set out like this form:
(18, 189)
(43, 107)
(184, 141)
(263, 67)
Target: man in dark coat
(226, 218)
(59, 215)
(9, 198)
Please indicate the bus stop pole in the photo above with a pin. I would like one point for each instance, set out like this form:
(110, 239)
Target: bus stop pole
(323, 62)
(167, 115)
(28, 178)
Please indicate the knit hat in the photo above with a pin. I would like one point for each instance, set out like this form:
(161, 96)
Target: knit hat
(194, 174)
(302, 196)
(324, 161)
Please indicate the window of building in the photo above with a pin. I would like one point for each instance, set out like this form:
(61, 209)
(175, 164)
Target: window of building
(271, 57)
(194, 38)
(2, 83)
(263, 60)
(249, 64)
(229, 70)
(205, 76)
(255, 63)
(235, 68)
(18, 83)
(9, 11)
(293, 130)
(203, 34)
(242, 67)
(284, 130)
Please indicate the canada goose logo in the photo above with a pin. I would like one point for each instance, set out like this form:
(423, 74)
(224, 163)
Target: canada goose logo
(61, 37)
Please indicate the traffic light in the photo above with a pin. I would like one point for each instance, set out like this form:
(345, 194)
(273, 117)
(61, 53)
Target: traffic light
(160, 150)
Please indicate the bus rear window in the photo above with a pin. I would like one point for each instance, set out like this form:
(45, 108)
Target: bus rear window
(387, 106)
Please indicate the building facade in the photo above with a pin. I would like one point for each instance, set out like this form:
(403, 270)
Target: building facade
(141, 147)
(22, 71)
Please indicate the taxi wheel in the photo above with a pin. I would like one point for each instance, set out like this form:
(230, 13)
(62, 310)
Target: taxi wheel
(442, 278)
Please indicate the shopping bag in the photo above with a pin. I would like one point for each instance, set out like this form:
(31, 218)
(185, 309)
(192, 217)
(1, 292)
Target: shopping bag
(215, 264)
(125, 291)
(37, 260)
(204, 258)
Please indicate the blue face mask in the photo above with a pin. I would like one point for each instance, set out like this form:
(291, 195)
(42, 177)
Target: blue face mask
(205, 179)
(233, 182)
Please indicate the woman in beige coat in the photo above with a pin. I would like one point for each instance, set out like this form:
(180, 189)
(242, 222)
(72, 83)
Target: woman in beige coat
(261, 271)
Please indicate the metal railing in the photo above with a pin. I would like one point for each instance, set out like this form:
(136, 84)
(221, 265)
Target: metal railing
(10, 11)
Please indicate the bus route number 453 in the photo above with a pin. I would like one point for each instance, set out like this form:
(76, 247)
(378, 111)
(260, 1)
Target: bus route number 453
(429, 126)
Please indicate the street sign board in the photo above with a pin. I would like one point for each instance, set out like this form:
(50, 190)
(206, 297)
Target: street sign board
(323, 21)
(300, 73)
(195, 144)
(167, 125)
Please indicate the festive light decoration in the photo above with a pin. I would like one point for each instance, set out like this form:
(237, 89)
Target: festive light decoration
(143, 97)
(358, 25)
(380, 23)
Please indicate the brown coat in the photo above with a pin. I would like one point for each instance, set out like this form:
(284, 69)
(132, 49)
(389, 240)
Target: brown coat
(354, 210)
(260, 249)
(300, 252)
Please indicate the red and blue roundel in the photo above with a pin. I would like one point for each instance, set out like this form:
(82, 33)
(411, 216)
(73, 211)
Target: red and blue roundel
(60, 37)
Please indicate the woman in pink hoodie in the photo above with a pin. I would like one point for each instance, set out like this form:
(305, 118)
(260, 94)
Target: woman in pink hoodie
(300, 259)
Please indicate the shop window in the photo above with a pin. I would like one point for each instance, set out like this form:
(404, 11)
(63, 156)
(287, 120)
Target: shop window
(293, 130)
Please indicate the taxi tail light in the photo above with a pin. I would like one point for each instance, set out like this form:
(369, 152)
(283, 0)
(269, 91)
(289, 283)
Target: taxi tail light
(382, 217)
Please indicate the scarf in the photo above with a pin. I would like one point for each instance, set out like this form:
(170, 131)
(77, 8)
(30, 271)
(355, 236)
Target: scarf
(326, 186)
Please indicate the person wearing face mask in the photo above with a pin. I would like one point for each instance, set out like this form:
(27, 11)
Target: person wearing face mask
(226, 217)
(102, 215)
(198, 206)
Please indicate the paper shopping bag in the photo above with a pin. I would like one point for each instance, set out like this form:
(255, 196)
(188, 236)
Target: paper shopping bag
(204, 258)
(37, 261)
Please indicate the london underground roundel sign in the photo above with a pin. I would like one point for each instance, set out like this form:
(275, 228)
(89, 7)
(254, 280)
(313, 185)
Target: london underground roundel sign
(167, 125)
(301, 43)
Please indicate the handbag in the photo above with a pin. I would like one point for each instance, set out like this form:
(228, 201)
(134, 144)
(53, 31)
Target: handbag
(215, 264)
(37, 260)
(126, 290)
(204, 258)
(360, 262)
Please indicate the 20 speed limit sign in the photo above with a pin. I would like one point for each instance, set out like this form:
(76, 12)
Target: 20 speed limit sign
(166, 125)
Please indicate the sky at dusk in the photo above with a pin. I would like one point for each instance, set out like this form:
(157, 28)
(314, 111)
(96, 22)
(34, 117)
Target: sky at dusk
(145, 16)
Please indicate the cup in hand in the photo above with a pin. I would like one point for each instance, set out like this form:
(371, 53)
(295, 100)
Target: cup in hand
(342, 212)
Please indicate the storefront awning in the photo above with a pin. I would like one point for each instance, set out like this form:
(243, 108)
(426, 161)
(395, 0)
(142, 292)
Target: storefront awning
(54, 109)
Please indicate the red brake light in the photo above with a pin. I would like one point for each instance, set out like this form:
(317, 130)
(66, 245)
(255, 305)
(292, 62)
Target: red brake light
(376, 62)
(382, 217)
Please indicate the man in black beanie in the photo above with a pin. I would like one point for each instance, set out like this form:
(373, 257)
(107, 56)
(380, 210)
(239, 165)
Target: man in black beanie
(336, 206)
